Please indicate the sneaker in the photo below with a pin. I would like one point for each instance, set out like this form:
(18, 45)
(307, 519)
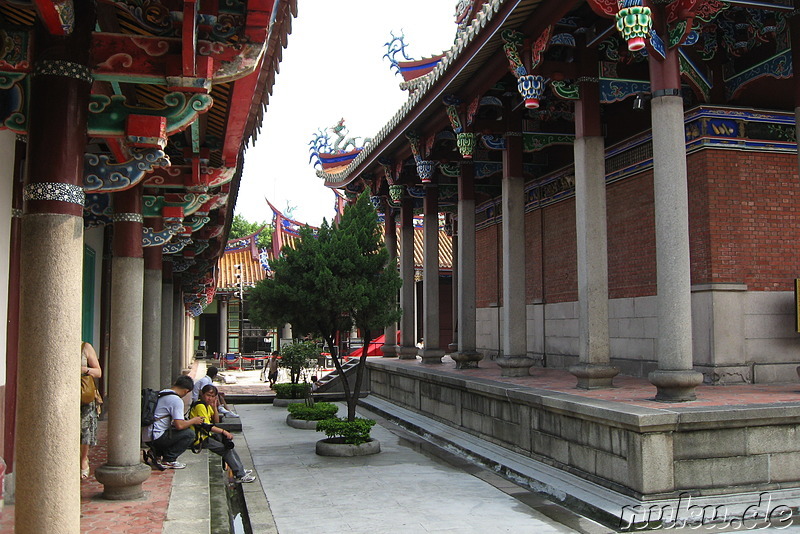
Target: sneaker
(173, 465)
(227, 413)
(247, 477)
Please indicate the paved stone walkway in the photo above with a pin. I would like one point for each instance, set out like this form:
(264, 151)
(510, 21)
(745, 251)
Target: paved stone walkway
(399, 490)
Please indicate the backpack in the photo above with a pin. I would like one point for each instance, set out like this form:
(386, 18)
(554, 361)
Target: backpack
(149, 402)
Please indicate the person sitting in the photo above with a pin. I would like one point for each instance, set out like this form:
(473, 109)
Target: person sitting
(171, 434)
(211, 437)
(211, 372)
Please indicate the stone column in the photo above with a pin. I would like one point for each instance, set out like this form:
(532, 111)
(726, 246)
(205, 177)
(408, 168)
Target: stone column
(452, 347)
(594, 369)
(123, 473)
(151, 315)
(178, 324)
(48, 404)
(223, 326)
(466, 357)
(515, 360)
(167, 290)
(431, 352)
(389, 347)
(408, 344)
(675, 379)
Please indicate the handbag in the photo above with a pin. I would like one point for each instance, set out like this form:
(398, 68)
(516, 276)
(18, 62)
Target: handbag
(88, 389)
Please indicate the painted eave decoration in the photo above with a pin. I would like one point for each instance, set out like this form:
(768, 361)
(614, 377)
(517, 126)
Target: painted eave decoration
(178, 90)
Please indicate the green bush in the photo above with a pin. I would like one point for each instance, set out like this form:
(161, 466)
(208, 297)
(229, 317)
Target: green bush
(354, 432)
(297, 357)
(292, 391)
(316, 412)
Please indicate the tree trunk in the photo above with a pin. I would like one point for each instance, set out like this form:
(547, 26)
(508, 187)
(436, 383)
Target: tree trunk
(338, 365)
(362, 363)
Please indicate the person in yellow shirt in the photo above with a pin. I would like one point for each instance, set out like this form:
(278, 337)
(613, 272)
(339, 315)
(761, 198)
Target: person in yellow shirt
(214, 438)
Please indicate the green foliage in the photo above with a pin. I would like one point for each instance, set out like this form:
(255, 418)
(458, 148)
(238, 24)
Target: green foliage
(317, 412)
(241, 227)
(333, 280)
(354, 432)
(292, 390)
(297, 357)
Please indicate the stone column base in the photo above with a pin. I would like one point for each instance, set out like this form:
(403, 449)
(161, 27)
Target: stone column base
(122, 483)
(675, 386)
(594, 375)
(431, 355)
(515, 365)
(389, 351)
(407, 353)
(467, 359)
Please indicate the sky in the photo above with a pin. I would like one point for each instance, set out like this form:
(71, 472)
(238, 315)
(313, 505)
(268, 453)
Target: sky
(333, 68)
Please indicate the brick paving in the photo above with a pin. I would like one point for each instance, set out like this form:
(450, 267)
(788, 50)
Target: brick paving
(99, 516)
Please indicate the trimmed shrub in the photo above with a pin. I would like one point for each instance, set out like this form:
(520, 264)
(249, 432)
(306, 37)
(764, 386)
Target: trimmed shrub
(292, 391)
(353, 432)
(316, 412)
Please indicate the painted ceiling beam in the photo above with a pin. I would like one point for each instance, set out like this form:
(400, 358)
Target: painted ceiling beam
(108, 116)
(102, 176)
(238, 112)
(189, 38)
(57, 16)
(160, 60)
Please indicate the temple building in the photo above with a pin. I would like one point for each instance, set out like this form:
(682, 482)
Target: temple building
(122, 133)
(623, 181)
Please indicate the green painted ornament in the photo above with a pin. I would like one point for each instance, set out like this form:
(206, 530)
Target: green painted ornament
(466, 144)
(634, 22)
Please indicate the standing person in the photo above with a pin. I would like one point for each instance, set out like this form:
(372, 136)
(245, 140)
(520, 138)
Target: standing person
(214, 438)
(211, 372)
(171, 434)
(272, 369)
(90, 366)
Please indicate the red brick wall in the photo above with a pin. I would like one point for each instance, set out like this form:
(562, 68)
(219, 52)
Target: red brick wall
(534, 289)
(754, 210)
(560, 252)
(744, 223)
(488, 268)
(631, 237)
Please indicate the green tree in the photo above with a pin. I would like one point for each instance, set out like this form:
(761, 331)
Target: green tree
(328, 283)
(241, 227)
(297, 357)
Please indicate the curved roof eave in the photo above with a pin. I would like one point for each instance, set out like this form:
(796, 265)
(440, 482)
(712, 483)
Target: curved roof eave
(471, 49)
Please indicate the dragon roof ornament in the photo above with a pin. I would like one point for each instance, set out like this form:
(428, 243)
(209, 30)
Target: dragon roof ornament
(481, 19)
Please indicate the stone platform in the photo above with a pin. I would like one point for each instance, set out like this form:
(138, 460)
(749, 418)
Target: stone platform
(610, 452)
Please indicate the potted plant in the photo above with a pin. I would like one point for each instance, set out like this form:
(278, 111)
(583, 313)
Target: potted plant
(347, 438)
(305, 416)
